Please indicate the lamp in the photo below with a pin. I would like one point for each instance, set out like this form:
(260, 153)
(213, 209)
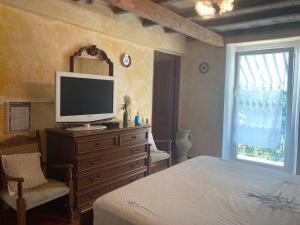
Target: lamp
(209, 8)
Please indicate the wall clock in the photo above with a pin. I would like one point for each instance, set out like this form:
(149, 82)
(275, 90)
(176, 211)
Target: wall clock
(203, 67)
(125, 60)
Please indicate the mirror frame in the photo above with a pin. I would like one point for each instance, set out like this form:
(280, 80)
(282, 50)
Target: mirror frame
(95, 52)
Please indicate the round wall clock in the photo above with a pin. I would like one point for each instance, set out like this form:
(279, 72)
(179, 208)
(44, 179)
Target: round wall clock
(203, 67)
(125, 60)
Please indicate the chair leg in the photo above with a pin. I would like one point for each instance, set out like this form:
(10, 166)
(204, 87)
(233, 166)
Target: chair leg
(1, 210)
(70, 215)
(1, 205)
(70, 206)
(21, 211)
(169, 162)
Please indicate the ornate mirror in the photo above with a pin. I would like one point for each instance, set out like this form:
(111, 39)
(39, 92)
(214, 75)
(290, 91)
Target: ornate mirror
(91, 60)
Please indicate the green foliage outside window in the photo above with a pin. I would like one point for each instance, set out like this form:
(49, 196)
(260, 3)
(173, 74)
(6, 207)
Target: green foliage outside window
(275, 155)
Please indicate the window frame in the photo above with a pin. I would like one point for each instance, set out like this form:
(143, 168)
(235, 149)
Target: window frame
(234, 51)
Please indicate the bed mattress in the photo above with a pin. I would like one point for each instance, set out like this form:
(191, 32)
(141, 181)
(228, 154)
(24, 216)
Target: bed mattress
(204, 191)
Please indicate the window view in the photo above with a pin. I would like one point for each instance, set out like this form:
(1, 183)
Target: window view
(261, 105)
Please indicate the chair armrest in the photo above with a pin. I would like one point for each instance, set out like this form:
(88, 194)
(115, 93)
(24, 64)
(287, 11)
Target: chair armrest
(163, 141)
(20, 180)
(67, 167)
(167, 141)
(58, 166)
(15, 179)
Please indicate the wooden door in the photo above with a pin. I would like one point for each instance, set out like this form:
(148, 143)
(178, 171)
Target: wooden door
(165, 97)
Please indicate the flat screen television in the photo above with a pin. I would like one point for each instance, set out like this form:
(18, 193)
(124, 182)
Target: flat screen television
(83, 98)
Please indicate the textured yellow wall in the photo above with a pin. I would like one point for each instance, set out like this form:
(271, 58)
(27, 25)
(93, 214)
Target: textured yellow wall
(34, 46)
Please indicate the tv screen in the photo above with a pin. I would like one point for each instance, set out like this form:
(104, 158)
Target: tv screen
(84, 98)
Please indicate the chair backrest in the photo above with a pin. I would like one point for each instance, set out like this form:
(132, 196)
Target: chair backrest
(151, 142)
(19, 145)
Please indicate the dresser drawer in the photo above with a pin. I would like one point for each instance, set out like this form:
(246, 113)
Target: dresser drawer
(100, 176)
(93, 194)
(97, 160)
(133, 137)
(94, 144)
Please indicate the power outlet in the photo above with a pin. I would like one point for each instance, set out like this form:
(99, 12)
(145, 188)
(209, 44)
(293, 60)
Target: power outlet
(2, 100)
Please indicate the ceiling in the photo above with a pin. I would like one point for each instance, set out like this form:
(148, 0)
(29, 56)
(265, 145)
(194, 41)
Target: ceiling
(247, 16)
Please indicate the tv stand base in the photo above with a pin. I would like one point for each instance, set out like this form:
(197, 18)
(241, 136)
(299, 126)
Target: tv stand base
(86, 127)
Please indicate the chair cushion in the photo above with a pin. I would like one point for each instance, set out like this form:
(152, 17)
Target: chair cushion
(37, 196)
(158, 155)
(27, 166)
(151, 142)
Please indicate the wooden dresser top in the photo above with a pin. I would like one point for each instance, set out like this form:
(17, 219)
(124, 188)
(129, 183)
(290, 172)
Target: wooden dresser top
(93, 132)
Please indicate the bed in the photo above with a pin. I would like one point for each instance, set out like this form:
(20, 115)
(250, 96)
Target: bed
(204, 191)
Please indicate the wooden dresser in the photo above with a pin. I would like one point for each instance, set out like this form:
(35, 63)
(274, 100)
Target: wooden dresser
(103, 160)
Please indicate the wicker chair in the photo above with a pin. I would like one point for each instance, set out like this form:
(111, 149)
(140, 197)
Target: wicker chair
(160, 158)
(27, 199)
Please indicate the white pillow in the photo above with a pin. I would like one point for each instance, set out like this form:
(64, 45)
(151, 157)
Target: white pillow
(26, 165)
(151, 141)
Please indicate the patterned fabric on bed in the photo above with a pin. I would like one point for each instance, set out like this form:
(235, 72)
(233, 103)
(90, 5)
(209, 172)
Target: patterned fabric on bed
(204, 191)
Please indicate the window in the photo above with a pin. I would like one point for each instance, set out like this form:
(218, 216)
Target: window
(261, 113)
(261, 105)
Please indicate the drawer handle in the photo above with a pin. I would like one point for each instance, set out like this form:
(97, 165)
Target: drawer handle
(95, 177)
(94, 161)
(133, 178)
(115, 141)
(134, 164)
(133, 137)
(137, 150)
(94, 194)
(97, 144)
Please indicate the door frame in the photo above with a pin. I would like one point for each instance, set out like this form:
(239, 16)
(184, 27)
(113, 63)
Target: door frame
(161, 56)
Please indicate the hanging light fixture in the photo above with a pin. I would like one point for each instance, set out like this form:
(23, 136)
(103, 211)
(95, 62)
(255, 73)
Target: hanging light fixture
(209, 8)
(225, 6)
(205, 9)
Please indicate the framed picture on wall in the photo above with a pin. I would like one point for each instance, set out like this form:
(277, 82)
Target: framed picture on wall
(18, 116)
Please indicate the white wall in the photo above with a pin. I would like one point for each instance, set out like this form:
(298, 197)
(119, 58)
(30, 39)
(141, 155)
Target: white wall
(201, 98)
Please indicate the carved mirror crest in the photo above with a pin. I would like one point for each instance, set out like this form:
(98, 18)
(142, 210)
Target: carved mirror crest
(91, 60)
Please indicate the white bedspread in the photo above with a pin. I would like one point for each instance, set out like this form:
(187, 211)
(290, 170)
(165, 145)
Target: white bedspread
(204, 191)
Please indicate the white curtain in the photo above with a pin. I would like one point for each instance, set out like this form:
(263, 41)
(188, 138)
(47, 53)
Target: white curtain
(259, 118)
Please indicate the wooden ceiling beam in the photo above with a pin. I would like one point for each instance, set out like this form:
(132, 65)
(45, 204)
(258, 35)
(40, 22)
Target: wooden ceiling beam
(265, 29)
(167, 18)
(120, 11)
(257, 23)
(267, 14)
(243, 7)
(240, 7)
(148, 23)
(169, 31)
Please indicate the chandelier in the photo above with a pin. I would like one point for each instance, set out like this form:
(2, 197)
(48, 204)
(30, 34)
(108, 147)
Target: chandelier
(209, 8)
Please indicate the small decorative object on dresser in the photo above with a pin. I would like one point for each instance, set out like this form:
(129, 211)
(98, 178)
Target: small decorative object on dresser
(125, 107)
(183, 144)
(104, 160)
(137, 119)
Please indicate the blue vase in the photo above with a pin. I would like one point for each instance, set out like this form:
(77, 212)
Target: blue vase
(137, 120)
